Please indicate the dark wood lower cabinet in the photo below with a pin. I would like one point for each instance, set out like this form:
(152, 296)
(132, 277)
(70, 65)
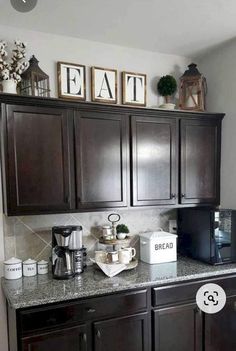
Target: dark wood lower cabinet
(220, 328)
(178, 328)
(122, 334)
(68, 339)
(153, 319)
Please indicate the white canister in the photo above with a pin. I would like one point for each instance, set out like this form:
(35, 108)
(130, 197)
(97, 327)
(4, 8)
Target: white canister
(158, 247)
(29, 268)
(42, 267)
(13, 268)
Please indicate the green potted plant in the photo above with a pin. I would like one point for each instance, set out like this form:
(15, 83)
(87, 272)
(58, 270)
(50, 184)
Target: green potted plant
(166, 87)
(122, 230)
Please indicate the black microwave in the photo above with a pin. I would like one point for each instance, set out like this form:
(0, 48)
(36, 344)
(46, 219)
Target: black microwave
(207, 234)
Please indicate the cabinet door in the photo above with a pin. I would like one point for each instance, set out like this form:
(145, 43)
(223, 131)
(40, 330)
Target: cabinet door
(220, 328)
(70, 339)
(200, 161)
(154, 161)
(38, 159)
(122, 334)
(101, 144)
(178, 328)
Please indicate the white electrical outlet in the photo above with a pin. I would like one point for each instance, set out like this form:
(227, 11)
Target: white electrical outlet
(173, 226)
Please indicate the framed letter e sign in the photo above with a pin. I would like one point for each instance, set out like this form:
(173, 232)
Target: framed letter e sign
(104, 85)
(71, 81)
(134, 88)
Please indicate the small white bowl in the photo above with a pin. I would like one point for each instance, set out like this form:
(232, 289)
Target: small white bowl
(121, 236)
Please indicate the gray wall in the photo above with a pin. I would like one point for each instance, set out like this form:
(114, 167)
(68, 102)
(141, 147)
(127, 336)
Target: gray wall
(49, 49)
(220, 70)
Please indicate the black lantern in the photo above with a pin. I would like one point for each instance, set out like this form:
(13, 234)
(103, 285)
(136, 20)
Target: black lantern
(34, 81)
(192, 93)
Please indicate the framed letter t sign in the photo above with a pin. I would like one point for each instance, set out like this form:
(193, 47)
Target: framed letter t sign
(104, 85)
(71, 81)
(134, 88)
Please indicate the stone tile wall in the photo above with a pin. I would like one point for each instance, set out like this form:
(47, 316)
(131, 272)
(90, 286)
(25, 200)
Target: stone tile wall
(30, 236)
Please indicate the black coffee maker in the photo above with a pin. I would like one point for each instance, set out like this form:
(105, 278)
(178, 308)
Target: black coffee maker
(68, 252)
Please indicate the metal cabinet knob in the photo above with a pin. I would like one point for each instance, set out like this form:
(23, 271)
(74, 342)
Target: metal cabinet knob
(98, 334)
(173, 196)
(183, 196)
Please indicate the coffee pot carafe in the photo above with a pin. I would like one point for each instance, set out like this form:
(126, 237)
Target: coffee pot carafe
(68, 253)
(63, 264)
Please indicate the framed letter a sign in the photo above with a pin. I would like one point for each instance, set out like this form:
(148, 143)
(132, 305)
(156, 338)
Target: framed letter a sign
(134, 88)
(71, 81)
(104, 85)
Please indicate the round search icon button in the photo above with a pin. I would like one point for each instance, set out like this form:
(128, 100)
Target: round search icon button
(211, 298)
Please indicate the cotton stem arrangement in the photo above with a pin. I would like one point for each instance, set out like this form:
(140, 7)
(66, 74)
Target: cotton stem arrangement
(13, 67)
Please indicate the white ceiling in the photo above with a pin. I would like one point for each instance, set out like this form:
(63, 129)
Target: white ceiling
(182, 27)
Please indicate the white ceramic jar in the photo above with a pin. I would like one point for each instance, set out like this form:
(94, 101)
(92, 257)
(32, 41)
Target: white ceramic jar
(13, 268)
(42, 267)
(29, 268)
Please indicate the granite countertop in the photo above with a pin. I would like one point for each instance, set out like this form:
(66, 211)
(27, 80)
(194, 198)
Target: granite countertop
(39, 290)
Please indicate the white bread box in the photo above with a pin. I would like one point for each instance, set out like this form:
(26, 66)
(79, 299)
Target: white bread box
(158, 247)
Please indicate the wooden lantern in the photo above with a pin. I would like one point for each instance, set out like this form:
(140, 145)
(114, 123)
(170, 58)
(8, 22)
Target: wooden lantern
(34, 81)
(192, 95)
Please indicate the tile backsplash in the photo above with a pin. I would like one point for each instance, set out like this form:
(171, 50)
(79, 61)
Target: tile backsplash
(30, 236)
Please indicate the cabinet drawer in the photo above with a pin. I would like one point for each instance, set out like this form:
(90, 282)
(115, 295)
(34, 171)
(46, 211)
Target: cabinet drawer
(79, 311)
(183, 292)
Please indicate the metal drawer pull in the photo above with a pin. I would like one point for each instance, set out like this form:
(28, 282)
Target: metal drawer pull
(67, 199)
(91, 310)
(85, 338)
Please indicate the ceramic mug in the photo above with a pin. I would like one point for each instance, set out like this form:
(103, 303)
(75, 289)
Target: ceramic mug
(124, 256)
(101, 256)
(112, 257)
(132, 252)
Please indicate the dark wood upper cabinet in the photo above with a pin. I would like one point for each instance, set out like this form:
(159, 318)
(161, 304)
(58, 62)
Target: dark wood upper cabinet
(154, 164)
(178, 328)
(59, 156)
(101, 145)
(200, 161)
(69, 339)
(38, 159)
(122, 334)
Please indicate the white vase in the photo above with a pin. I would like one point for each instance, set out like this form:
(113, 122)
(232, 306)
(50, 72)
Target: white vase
(9, 86)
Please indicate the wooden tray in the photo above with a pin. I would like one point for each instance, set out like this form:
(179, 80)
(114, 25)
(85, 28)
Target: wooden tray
(116, 241)
(133, 264)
